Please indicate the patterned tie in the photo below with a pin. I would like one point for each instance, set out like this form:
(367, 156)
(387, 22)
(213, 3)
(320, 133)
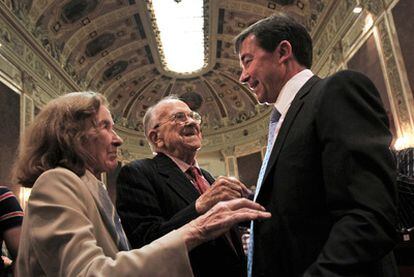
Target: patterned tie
(109, 209)
(200, 183)
(274, 118)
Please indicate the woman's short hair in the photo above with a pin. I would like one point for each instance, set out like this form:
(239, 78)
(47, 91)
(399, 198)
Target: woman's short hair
(57, 137)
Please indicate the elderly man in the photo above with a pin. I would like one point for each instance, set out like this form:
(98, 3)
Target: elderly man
(155, 196)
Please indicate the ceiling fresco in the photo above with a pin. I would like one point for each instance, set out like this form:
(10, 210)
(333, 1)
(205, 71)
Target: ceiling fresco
(110, 46)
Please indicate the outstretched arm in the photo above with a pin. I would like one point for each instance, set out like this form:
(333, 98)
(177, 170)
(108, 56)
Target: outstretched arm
(141, 205)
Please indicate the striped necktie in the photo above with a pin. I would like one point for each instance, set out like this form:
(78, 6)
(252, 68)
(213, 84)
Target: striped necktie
(274, 118)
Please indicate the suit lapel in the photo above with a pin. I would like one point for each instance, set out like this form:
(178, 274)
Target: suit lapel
(175, 178)
(295, 107)
(92, 184)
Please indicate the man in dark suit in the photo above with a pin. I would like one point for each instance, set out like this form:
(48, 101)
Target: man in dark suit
(328, 177)
(156, 196)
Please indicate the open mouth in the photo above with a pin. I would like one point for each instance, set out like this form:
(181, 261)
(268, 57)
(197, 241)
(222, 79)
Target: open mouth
(189, 132)
(254, 85)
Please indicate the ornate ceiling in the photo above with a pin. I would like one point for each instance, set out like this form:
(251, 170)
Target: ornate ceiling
(111, 46)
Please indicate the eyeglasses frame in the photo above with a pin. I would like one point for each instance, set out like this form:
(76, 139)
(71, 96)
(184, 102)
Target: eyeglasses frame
(194, 116)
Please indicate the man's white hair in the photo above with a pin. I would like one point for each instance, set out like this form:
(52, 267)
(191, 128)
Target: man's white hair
(149, 119)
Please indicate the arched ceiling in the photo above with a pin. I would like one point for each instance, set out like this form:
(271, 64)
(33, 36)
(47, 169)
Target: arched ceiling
(110, 46)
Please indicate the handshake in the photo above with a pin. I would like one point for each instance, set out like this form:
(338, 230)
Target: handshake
(223, 189)
(223, 205)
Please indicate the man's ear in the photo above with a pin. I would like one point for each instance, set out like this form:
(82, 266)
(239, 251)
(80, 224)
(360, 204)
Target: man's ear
(284, 51)
(153, 137)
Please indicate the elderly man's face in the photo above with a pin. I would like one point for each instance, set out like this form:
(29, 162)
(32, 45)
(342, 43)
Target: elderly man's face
(103, 143)
(178, 139)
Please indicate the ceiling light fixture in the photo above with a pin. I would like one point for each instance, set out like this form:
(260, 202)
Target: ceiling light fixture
(405, 141)
(357, 8)
(180, 24)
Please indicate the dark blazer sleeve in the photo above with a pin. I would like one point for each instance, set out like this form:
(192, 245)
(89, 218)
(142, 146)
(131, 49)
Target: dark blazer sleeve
(358, 172)
(142, 204)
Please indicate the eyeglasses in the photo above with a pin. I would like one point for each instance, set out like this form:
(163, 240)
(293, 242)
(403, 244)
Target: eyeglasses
(181, 117)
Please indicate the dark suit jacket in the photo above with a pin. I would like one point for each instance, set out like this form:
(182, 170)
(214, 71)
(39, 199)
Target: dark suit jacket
(329, 185)
(155, 197)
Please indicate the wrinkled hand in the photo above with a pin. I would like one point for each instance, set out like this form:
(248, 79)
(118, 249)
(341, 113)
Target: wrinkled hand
(223, 189)
(220, 219)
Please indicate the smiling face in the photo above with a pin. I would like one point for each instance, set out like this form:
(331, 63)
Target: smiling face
(103, 143)
(178, 139)
(264, 72)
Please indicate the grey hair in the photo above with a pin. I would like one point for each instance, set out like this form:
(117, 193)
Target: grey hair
(148, 119)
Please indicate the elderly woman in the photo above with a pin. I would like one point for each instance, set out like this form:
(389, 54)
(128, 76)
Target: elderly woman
(70, 226)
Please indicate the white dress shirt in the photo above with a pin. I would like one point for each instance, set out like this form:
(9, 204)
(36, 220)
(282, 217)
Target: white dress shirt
(287, 94)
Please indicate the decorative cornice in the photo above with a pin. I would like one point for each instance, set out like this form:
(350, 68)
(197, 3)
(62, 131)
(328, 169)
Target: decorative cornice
(393, 76)
(336, 25)
(28, 39)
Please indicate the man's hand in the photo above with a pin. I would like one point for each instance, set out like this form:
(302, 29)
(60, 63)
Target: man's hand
(220, 219)
(223, 189)
(246, 241)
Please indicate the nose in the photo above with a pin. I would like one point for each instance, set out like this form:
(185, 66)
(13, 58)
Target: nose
(244, 77)
(117, 140)
(191, 120)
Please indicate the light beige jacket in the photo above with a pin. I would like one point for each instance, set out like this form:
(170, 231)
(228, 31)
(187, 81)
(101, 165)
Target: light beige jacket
(63, 234)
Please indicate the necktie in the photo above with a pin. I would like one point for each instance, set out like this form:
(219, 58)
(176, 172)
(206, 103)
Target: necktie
(109, 209)
(200, 183)
(274, 118)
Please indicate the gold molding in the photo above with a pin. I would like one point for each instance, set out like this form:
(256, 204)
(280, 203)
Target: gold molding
(22, 50)
(393, 78)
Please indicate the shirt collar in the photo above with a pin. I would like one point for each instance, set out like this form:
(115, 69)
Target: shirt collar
(290, 89)
(183, 166)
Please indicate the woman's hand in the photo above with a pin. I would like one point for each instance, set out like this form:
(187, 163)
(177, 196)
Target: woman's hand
(220, 219)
